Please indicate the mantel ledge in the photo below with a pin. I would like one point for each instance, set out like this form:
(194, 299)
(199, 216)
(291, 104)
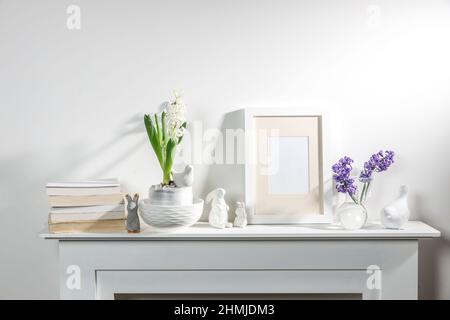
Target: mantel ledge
(202, 231)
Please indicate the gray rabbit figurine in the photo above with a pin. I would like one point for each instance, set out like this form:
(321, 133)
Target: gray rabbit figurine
(133, 225)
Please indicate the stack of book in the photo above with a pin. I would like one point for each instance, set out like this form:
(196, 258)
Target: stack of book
(86, 206)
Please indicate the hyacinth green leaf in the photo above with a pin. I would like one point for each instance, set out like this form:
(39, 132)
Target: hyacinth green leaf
(170, 155)
(163, 125)
(158, 129)
(150, 132)
(153, 138)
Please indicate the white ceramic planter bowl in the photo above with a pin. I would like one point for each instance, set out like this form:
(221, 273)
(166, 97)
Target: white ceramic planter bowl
(170, 217)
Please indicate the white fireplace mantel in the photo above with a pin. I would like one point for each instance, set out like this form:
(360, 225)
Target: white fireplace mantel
(374, 263)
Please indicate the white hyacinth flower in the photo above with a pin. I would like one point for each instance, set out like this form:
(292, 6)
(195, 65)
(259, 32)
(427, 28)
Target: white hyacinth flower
(176, 117)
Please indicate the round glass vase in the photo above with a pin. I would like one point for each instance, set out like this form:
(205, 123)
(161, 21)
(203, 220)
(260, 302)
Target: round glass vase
(353, 214)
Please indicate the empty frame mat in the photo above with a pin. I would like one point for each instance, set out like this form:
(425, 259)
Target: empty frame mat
(288, 177)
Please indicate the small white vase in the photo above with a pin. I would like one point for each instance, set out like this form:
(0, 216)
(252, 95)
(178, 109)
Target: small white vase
(172, 196)
(396, 214)
(352, 216)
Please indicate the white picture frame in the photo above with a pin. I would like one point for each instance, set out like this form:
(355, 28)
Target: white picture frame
(327, 206)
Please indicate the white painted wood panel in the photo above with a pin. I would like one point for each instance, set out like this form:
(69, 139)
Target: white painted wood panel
(258, 259)
(396, 258)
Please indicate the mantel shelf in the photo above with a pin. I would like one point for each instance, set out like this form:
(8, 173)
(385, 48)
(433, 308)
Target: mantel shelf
(202, 231)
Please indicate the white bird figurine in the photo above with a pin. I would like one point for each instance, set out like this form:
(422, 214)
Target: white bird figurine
(396, 214)
(241, 216)
(184, 178)
(218, 216)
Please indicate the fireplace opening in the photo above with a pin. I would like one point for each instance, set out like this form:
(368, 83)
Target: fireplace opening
(240, 296)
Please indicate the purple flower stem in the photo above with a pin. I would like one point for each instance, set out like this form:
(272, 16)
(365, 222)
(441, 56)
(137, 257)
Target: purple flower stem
(364, 193)
(367, 189)
(355, 200)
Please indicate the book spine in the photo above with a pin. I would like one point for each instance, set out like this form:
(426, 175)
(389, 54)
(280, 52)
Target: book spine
(85, 201)
(85, 217)
(94, 227)
(91, 209)
(82, 191)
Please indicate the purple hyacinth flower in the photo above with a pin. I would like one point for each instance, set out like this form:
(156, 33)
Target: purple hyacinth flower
(378, 162)
(342, 170)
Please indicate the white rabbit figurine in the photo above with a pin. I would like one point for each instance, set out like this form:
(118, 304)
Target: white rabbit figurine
(241, 215)
(396, 214)
(218, 216)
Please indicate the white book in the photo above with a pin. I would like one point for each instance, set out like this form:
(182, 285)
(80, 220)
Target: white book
(91, 209)
(82, 191)
(117, 225)
(85, 184)
(85, 201)
(85, 217)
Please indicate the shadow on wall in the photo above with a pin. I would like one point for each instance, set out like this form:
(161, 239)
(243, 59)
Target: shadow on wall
(429, 253)
(24, 206)
(23, 175)
(132, 126)
(227, 176)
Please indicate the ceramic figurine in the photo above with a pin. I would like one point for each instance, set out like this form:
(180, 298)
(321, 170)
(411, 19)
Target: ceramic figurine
(396, 214)
(218, 216)
(241, 215)
(184, 178)
(133, 225)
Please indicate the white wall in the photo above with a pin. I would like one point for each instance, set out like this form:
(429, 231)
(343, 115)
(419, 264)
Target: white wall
(72, 101)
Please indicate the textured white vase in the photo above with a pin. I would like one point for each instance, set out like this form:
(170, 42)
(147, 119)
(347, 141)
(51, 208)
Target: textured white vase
(170, 208)
(396, 214)
(170, 217)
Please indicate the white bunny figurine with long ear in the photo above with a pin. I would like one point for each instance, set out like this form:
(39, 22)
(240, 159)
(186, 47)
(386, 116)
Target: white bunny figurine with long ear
(218, 216)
